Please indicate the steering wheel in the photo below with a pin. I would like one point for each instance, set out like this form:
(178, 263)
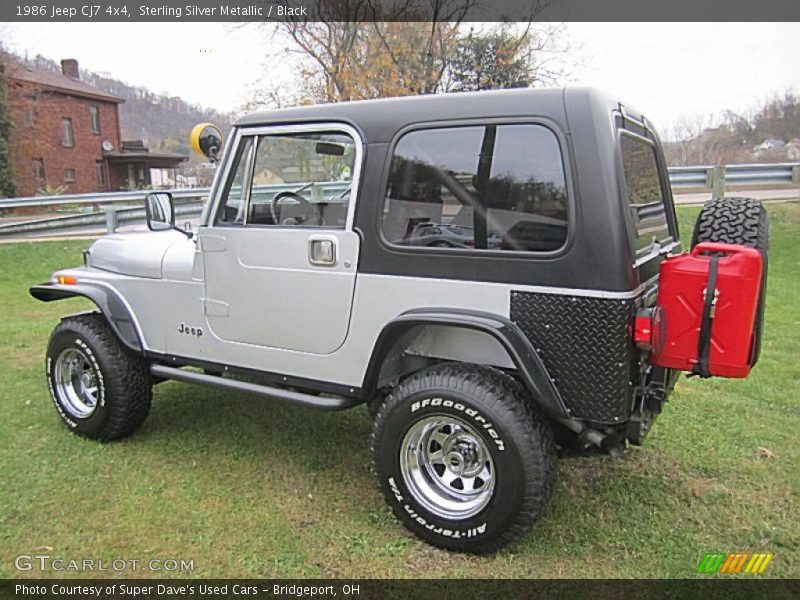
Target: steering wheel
(275, 209)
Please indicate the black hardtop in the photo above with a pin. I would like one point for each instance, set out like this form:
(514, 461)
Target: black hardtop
(379, 120)
(598, 253)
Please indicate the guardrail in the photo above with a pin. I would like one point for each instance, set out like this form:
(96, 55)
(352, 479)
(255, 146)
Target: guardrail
(707, 176)
(328, 188)
(116, 207)
(189, 203)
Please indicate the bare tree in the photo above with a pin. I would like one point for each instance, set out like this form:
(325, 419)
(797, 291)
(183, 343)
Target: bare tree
(687, 145)
(407, 48)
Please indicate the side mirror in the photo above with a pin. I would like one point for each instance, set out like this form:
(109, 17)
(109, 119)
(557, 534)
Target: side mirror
(206, 140)
(160, 211)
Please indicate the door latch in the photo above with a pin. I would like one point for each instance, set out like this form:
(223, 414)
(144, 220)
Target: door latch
(322, 251)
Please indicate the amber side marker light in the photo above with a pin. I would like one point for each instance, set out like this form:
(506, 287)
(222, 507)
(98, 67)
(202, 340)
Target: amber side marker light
(66, 280)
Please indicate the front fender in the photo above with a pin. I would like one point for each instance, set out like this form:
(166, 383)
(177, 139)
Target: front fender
(530, 367)
(108, 300)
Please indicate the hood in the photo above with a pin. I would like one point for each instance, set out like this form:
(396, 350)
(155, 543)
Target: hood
(138, 254)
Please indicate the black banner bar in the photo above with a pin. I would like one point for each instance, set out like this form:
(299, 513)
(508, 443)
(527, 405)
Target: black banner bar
(396, 10)
(254, 589)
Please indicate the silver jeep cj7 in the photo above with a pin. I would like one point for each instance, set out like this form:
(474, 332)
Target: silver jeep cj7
(481, 270)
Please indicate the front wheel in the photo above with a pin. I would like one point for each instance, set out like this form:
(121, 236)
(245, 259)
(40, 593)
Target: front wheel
(101, 391)
(463, 458)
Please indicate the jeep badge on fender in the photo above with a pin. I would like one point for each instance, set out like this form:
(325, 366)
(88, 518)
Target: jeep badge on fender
(185, 329)
(497, 276)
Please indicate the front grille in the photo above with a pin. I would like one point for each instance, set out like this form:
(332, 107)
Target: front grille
(586, 346)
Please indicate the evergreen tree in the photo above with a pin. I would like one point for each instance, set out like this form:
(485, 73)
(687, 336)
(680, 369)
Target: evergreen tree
(495, 59)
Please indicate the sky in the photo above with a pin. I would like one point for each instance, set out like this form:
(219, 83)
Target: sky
(665, 70)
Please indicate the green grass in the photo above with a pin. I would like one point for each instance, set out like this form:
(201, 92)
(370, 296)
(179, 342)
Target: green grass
(246, 488)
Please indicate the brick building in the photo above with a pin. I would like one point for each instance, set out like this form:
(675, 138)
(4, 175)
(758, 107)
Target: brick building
(67, 133)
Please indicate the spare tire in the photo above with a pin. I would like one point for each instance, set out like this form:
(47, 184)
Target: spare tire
(741, 221)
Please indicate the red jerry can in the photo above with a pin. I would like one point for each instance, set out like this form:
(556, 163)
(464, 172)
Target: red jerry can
(683, 284)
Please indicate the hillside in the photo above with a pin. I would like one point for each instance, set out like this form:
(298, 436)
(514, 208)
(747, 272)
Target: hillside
(767, 133)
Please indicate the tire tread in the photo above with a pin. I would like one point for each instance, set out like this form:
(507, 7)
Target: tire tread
(744, 221)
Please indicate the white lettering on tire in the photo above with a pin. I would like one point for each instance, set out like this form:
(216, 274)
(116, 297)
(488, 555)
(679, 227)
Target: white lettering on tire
(470, 412)
(452, 533)
(101, 384)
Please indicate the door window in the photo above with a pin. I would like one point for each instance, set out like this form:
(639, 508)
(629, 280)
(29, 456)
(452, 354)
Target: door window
(302, 179)
(295, 179)
(232, 206)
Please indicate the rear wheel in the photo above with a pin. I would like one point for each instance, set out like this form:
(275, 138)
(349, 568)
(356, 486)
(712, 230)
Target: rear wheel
(463, 458)
(740, 221)
(101, 391)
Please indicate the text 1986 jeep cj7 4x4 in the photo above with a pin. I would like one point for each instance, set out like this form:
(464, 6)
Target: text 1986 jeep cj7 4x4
(497, 275)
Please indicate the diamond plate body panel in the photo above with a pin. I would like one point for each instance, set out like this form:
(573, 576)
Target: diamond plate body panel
(586, 346)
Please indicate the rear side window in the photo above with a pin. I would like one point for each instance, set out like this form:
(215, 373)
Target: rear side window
(494, 187)
(645, 194)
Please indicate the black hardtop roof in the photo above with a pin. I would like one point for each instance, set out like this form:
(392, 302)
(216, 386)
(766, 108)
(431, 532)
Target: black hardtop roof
(379, 120)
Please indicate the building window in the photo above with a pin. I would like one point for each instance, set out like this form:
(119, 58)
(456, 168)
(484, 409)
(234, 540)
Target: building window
(100, 168)
(38, 168)
(69, 175)
(67, 137)
(94, 118)
(30, 117)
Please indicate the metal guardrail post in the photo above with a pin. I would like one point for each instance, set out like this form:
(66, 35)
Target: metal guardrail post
(796, 174)
(112, 218)
(718, 183)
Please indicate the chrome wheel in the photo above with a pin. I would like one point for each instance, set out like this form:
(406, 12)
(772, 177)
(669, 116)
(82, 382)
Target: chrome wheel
(76, 383)
(447, 467)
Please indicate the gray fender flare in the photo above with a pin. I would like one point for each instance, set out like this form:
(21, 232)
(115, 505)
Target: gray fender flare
(530, 367)
(108, 300)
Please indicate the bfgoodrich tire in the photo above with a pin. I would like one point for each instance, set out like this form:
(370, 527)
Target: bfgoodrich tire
(463, 458)
(101, 391)
(741, 221)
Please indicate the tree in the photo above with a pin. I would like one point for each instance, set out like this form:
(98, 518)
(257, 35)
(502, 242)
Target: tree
(373, 54)
(7, 187)
(686, 145)
(341, 61)
(502, 58)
